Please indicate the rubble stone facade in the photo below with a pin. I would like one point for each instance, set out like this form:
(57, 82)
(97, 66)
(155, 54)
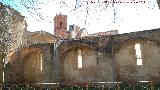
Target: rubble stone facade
(104, 59)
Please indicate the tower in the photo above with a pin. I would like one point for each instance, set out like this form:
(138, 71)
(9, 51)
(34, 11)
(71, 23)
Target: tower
(60, 26)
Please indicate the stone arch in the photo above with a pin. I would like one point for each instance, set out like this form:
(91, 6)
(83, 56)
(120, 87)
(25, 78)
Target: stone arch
(24, 65)
(11, 68)
(71, 72)
(32, 64)
(125, 57)
(123, 43)
(42, 37)
(66, 45)
(22, 58)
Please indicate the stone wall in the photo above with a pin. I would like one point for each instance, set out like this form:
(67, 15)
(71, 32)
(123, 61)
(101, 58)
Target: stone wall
(14, 23)
(104, 59)
(60, 26)
(32, 65)
(96, 66)
(127, 68)
(89, 69)
(41, 37)
(125, 55)
(42, 57)
(12, 35)
(14, 38)
(115, 57)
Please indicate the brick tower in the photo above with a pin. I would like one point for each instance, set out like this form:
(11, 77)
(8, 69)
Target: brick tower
(60, 26)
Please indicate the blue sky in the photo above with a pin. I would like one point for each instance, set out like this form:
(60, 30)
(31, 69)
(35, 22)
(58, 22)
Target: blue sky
(129, 17)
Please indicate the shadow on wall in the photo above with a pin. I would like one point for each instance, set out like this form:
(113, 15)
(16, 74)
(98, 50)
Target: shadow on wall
(25, 66)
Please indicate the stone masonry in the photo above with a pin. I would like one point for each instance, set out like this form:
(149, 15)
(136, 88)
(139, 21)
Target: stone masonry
(40, 57)
(104, 59)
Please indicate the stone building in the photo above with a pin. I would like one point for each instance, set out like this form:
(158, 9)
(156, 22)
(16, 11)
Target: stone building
(60, 26)
(40, 57)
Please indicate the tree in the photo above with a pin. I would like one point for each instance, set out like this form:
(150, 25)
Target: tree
(86, 7)
(158, 2)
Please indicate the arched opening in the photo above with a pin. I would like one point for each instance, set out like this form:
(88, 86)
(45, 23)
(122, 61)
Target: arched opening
(33, 65)
(138, 60)
(80, 64)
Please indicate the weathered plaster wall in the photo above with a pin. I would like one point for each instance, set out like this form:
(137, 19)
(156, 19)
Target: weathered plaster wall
(126, 63)
(48, 64)
(32, 65)
(88, 72)
(116, 58)
(13, 70)
(105, 68)
(26, 68)
(39, 54)
(151, 61)
(95, 66)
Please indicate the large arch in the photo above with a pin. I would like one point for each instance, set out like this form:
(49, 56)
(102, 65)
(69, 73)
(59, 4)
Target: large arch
(96, 67)
(24, 65)
(126, 62)
(88, 72)
(66, 45)
(32, 65)
(42, 37)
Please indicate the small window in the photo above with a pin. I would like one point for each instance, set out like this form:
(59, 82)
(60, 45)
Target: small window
(79, 59)
(138, 54)
(3, 76)
(41, 62)
(60, 24)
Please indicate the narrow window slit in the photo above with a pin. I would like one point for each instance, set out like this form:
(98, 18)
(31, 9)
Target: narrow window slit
(79, 59)
(41, 62)
(138, 54)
